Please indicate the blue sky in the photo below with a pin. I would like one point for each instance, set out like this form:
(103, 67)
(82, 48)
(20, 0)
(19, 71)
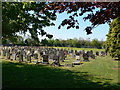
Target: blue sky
(64, 33)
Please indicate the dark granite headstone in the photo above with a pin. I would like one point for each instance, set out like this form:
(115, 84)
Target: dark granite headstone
(20, 56)
(45, 59)
(8, 53)
(85, 57)
(97, 53)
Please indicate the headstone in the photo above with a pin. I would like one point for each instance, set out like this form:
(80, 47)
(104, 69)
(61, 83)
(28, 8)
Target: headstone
(24, 54)
(88, 53)
(51, 55)
(41, 53)
(93, 56)
(77, 56)
(61, 55)
(77, 62)
(65, 53)
(36, 54)
(82, 51)
(29, 56)
(45, 59)
(4, 52)
(71, 54)
(85, 57)
(20, 56)
(8, 53)
(13, 55)
(56, 61)
(97, 53)
(103, 53)
(1, 53)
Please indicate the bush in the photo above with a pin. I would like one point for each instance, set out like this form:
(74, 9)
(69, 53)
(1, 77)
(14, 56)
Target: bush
(112, 43)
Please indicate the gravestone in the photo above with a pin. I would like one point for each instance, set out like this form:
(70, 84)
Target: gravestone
(93, 56)
(29, 56)
(82, 52)
(36, 54)
(61, 55)
(71, 54)
(77, 56)
(102, 53)
(24, 54)
(1, 53)
(97, 53)
(45, 59)
(51, 55)
(89, 54)
(56, 61)
(8, 53)
(20, 56)
(14, 55)
(77, 62)
(41, 53)
(65, 54)
(4, 52)
(85, 57)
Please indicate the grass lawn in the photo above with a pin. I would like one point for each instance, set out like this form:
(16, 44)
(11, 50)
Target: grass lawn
(97, 73)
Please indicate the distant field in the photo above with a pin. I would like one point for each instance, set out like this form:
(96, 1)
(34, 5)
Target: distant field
(98, 73)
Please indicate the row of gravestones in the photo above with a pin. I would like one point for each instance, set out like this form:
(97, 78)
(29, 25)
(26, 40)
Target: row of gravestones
(87, 55)
(28, 52)
(46, 53)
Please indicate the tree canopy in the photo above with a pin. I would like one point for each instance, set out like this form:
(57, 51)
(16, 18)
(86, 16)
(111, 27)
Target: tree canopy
(25, 16)
(79, 43)
(113, 39)
(104, 14)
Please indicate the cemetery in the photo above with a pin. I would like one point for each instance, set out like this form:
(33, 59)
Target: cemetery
(46, 54)
(52, 67)
(51, 44)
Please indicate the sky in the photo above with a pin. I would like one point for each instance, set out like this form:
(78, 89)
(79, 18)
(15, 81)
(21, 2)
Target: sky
(64, 33)
(97, 33)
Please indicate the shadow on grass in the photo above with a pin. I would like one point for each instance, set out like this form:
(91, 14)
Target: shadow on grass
(18, 75)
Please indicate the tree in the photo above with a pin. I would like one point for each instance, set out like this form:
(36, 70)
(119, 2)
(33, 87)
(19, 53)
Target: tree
(13, 40)
(19, 40)
(73, 43)
(56, 42)
(113, 39)
(23, 17)
(44, 42)
(17, 17)
(50, 42)
(31, 41)
(95, 43)
(104, 14)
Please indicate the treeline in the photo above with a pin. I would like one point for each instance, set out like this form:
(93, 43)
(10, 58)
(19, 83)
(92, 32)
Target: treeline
(79, 43)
